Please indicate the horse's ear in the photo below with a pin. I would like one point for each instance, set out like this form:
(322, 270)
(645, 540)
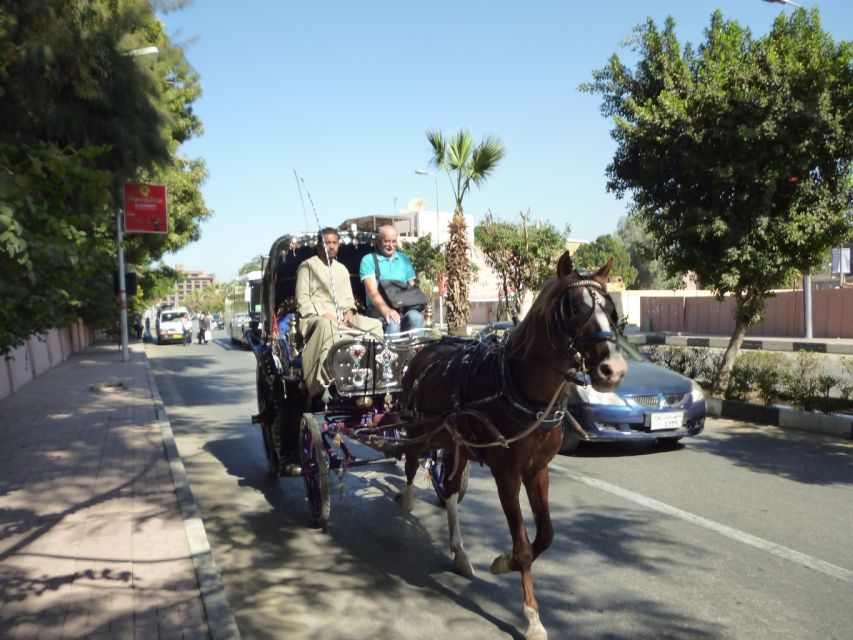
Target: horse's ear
(605, 270)
(564, 265)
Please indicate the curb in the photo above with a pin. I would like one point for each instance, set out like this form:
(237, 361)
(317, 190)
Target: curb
(721, 342)
(220, 620)
(782, 417)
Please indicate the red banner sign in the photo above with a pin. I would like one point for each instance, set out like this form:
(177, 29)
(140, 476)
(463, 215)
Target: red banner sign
(145, 208)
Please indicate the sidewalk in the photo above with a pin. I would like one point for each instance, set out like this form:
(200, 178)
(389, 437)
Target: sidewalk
(840, 346)
(95, 536)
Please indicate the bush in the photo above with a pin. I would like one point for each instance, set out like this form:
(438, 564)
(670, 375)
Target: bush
(758, 372)
(768, 375)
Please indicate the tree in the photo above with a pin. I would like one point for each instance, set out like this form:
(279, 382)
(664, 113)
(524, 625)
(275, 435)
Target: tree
(737, 154)
(640, 245)
(428, 262)
(590, 255)
(466, 164)
(255, 264)
(78, 118)
(523, 257)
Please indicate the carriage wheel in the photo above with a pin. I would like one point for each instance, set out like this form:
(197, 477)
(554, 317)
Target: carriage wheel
(266, 409)
(440, 469)
(315, 470)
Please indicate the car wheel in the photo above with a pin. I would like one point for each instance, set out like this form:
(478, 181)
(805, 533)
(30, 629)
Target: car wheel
(571, 441)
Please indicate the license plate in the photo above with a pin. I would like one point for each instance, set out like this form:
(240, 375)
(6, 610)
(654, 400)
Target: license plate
(665, 420)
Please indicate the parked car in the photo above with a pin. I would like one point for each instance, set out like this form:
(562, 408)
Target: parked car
(653, 404)
(169, 326)
(237, 329)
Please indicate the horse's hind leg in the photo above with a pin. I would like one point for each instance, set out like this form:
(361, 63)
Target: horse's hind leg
(509, 486)
(407, 498)
(461, 563)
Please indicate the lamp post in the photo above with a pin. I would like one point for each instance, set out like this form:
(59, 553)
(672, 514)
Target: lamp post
(122, 285)
(424, 172)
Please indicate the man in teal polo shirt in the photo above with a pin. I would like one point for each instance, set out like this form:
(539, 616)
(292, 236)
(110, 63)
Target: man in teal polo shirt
(393, 265)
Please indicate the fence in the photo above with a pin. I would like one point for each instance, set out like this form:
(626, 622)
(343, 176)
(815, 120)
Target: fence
(832, 315)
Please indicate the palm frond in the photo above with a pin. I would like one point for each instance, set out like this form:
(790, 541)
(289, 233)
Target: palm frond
(439, 148)
(459, 150)
(485, 158)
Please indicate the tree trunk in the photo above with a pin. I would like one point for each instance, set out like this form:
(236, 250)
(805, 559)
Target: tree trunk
(730, 354)
(458, 273)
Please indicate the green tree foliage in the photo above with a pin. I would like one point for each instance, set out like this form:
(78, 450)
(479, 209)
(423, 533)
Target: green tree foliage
(737, 154)
(466, 164)
(255, 264)
(79, 116)
(428, 261)
(594, 254)
(523, 257)
(632, 233)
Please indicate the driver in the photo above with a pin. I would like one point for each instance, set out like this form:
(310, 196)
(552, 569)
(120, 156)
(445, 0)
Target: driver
(319, 281)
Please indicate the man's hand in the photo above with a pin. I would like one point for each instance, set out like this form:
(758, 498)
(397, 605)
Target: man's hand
(348, 318)
(392, 316)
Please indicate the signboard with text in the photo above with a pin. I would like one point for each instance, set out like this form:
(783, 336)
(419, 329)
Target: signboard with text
(145, 208)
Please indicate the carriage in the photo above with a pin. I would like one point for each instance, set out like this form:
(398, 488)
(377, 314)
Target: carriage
(444, 400)
(360, 404)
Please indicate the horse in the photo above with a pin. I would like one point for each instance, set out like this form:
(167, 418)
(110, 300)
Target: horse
(503, 404)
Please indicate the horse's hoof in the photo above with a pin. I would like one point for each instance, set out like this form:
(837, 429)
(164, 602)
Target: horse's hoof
(462, 565)
(501, 565)
(405, 501)
(535, 630)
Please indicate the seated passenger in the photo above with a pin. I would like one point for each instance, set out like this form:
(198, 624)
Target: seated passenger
(393, 265)
(319, 282)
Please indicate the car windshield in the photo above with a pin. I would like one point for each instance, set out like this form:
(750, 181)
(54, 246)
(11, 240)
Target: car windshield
(168, 316)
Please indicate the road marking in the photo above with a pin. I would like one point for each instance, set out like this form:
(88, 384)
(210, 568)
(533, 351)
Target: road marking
(785, 553)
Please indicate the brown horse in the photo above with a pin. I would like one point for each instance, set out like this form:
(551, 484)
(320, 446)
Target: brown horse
(503, 405)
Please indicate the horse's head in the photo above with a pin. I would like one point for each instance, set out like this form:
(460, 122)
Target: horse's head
(575, 319)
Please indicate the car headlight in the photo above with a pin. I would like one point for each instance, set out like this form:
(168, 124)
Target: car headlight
(696, 394)
(589, 395)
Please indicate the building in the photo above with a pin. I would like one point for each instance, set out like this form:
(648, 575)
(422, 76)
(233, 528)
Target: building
(194, 280)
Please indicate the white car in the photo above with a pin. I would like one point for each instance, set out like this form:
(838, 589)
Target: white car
(169, 325)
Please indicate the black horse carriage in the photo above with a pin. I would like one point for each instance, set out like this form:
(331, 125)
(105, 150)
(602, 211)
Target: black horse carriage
(305, 438)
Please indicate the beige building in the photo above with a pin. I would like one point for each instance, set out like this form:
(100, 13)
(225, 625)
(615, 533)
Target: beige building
(194, 280)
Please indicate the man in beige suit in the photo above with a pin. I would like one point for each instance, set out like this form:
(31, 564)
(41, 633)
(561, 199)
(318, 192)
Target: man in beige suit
(320, 281)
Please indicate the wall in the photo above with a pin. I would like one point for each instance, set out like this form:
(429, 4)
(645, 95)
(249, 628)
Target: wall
(832, 314)
(40, 353)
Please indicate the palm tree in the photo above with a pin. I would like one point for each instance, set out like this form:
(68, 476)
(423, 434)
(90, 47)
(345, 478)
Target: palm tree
(465, 164)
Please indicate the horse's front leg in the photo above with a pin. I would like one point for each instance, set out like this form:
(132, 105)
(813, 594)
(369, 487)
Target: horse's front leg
(537, 495)
(509, 486)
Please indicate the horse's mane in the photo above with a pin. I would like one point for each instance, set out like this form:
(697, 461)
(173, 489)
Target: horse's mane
(536, 322)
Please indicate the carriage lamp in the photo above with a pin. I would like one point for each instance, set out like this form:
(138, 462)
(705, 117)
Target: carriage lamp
(293, 339)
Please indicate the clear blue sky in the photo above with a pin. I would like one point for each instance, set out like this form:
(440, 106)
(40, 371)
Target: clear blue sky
(342, 92)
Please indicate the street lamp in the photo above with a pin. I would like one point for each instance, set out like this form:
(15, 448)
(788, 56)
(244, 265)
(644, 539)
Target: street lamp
(424, 172)
(122, 285)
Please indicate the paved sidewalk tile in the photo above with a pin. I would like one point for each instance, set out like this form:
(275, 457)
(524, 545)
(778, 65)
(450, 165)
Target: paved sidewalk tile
(92, 544)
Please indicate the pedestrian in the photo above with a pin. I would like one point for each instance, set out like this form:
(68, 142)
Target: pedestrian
(187, 325)
(203, 327)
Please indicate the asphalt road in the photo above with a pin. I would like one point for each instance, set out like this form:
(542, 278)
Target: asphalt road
(745, 532)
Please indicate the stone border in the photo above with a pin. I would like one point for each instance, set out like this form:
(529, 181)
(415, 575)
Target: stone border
(783, 417)
(220, 620)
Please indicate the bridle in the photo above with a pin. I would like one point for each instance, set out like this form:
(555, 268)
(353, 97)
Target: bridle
(558, 327)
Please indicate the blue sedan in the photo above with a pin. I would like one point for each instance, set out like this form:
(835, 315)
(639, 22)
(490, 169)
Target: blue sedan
(653, 404)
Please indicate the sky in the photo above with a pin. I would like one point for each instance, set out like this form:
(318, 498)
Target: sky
(341, 94)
